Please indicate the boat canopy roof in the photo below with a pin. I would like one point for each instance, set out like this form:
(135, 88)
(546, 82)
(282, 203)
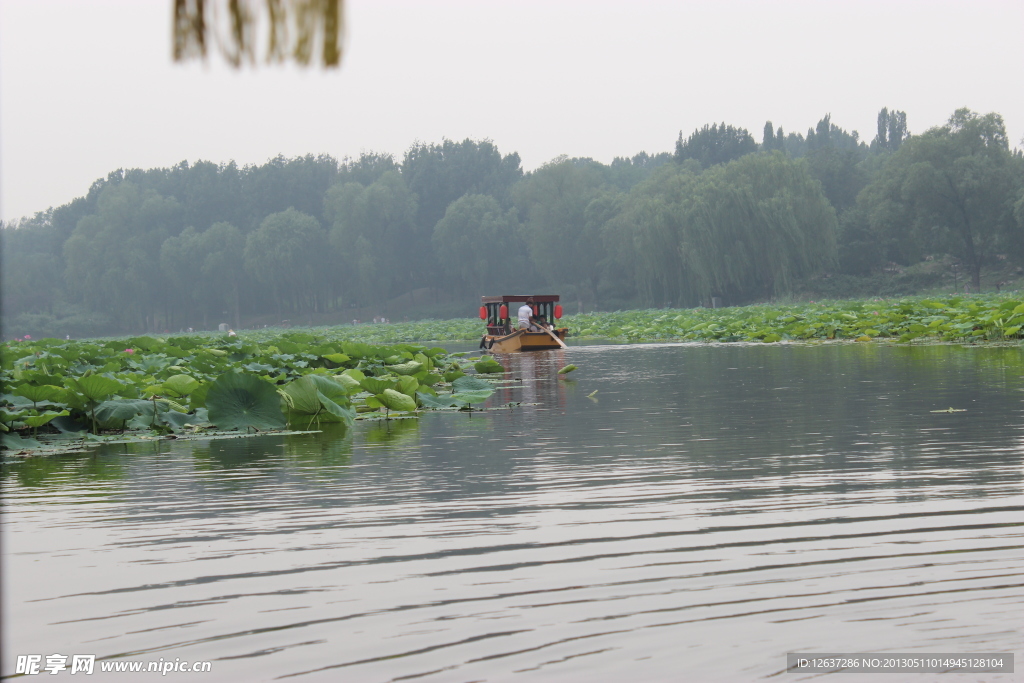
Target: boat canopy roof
(513, 298)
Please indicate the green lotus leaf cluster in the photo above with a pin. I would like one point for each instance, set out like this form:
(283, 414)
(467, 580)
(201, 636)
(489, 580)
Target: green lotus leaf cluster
(975, 318)
(96, 389)
(988, 318)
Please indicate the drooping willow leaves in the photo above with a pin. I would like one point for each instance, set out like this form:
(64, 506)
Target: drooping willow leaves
(295, 30)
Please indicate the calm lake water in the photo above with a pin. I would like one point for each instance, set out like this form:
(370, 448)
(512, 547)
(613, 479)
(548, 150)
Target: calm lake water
(706, 511)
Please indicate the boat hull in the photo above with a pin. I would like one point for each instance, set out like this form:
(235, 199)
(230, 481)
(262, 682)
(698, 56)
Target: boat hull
(521, 340)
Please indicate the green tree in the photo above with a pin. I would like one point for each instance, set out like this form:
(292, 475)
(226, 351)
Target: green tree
(715, 144)
(180, 260)
(479, 244)
(438, 174)
(625, 173)
(892, 130)
(758, 225)
(646, 237)
(742, 230)
(208, 192)
(222, 271)
(834, 157)
(1017, 238)
(441, 173)
(282, 183)
(373, 233)
(286, 255)
(563, 245)
(112, 257)
(367, 168)
(949, 189)
(31, 265)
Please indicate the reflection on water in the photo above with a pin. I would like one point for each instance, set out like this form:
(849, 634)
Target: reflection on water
(707, 510)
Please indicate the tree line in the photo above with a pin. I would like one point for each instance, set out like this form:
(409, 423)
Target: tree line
(721, 216)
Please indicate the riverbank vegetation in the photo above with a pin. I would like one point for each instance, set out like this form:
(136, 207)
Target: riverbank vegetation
(719, 220)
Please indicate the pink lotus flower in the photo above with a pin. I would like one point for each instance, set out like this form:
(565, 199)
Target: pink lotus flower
(28, 336)
(129, 351)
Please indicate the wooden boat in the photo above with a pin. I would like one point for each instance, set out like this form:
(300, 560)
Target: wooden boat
(502, 335)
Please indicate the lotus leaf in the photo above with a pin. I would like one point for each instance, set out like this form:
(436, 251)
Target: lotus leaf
(180, 385)
(407, 368)
(36, 394)
(95, 388)
(358, 350)
(468, 383)
(197, 399)
(40, 378)
(438, 402)
(488, 365)
(376, 385)
(395, 400)
(121, 410)
(239, 401)
(179, 422)
(258, 368)
(8, 416)
(453, 375)
(145, 343)
(68, 425)
(330, 386)
(14, 400)
(151, 364)
(303, 394)
(408, 385)
(44, 417)
(17, 443)
(471, 396)
(350, 383)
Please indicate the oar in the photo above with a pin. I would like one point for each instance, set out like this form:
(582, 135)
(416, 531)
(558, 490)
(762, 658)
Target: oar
(555, 337)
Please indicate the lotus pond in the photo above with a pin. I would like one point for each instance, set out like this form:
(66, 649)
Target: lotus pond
(83, 393)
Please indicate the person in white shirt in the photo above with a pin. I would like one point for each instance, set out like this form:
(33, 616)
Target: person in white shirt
(526, 315)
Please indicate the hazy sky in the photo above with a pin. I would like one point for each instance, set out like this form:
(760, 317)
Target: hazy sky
(88, 86)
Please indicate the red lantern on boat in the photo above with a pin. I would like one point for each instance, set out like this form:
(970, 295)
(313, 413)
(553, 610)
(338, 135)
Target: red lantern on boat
(483, 313)
(558, 312)
(503, 312)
